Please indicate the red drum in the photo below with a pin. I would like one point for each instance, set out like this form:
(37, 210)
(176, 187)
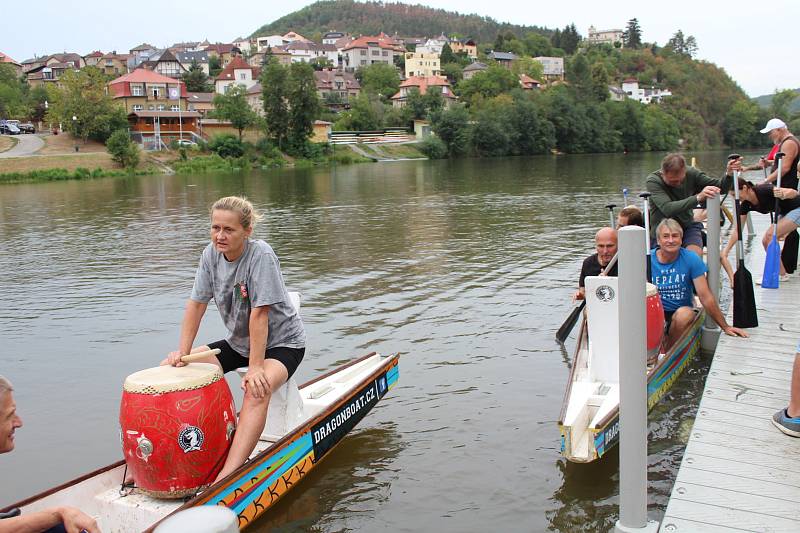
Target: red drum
(176, 426)
(655, 322)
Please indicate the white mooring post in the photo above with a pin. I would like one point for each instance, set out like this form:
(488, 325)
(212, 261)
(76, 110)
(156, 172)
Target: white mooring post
(633, 384)
(710, 330)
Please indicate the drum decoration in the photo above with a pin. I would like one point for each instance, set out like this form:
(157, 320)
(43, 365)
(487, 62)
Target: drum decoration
(176, 425)
(655, 322)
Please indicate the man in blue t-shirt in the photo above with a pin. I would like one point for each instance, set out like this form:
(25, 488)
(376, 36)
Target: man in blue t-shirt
(675, 272)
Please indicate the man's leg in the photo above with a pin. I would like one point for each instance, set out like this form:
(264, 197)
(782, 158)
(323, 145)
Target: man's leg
(252, 419)
(794, 393)
(681, 320)
(785, 227)
(693, 238)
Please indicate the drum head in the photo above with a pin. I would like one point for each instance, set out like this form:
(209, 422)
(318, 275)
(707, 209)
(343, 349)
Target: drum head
(652, 290)
(168, 378)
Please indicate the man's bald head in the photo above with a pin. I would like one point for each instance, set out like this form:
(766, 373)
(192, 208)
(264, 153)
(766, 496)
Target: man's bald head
(605, 242)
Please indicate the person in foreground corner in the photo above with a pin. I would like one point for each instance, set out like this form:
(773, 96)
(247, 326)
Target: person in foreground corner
(675, 191)
(605, 242)
(265, 332)
(675, 272)
(52, 520)
(788, 419)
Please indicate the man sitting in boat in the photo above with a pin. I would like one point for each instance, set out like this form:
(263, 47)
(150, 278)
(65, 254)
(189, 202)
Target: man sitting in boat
(53, 520)
(675, 191)
(630, 216)
(605, 242)
(676, 271)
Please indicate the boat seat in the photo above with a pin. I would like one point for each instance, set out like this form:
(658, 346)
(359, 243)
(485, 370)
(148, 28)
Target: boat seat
(285, 410)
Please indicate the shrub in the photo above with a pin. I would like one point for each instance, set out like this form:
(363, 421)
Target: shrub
(227, 145)
(433, 147)
(123, 151)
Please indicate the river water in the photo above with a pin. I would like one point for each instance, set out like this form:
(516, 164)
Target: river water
(465, 267)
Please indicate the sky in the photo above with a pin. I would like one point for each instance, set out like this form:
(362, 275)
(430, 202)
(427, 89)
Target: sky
(736, 35)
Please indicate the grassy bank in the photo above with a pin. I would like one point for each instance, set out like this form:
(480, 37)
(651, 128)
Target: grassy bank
(201, 163)
(63, 167)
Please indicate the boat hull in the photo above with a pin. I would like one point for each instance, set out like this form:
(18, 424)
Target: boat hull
(605, 435)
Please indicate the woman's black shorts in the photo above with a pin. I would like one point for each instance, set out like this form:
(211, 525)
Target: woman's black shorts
(230, 359)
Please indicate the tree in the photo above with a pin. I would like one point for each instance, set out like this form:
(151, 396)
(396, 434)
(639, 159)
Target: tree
(195, 79)
(453, 72)
(83, 96)
(447, 55)
(320, 63)
(529, 67)
(686, 46)
(233, 107)
(599, 83)
(366, 113)
(379, 78)
(632, 37)
(13, 98)
(537, 45)
(214, 65)
(570, 38)
(415, 104)
(303, 104)
(488, 83)
(123, 151)
(453, 128)
(579, 76)
(781, 102)
(740, 123)
(274, 94)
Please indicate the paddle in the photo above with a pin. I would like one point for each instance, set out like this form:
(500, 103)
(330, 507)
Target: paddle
(625, 196)
(645, 196)
(744, 301)
(772, 267)
(199, 356)
(611, 220)
(566, 328)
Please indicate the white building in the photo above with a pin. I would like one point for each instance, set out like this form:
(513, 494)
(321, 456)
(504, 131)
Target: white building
(270, 41)
(553, 67)
(237, 72)
(433, 46)
(604, 36)
(643, 95)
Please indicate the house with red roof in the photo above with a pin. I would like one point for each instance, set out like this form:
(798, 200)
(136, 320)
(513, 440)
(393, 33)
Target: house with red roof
(237, 72)
(156, 104)
(6, 60)
(370, 50)
(528, 83)
(92, 59)
(424, 84)
(336, 87)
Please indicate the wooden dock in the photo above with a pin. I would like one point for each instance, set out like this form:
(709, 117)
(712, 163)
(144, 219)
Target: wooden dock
(739, 473)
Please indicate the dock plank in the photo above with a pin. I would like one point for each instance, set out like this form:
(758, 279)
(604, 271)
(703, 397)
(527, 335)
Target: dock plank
(739, 473)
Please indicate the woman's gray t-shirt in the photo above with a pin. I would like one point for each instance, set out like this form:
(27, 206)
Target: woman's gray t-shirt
(253, 280)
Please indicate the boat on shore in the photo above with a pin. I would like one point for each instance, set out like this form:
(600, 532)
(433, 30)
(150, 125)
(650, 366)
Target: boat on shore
(303, 425)
(589, 418)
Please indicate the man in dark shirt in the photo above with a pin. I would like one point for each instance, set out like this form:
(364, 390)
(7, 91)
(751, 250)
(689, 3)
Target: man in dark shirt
(605, 242)
(676, 189)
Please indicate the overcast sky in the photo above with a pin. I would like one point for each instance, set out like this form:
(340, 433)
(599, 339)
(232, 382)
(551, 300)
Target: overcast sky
(736, 35)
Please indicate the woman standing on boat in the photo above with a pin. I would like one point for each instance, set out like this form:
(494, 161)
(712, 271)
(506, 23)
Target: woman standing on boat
(265, 332)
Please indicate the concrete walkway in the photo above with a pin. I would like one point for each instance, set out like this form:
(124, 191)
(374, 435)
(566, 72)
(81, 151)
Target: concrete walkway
(739, 473)
(28, 144)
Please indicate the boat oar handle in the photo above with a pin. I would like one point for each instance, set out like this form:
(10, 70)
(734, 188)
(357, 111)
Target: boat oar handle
(199, 356)
(610, 265)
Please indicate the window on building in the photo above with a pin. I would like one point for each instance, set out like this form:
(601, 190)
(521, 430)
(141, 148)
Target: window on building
(138, 107)
(161, 107)
(363, 52)
(156, 92)
(363, 61)
(376, 52)
(385, 53)
(151, 107)
(242, 76)
(136, 90)
(175, 108)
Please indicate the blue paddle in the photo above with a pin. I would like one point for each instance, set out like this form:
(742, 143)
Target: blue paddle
(772, 264)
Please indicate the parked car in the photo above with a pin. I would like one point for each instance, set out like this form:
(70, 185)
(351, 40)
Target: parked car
(27, 127)
(9, 129)
(185, 142)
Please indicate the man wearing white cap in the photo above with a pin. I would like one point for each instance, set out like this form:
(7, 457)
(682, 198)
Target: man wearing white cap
(779, 134)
